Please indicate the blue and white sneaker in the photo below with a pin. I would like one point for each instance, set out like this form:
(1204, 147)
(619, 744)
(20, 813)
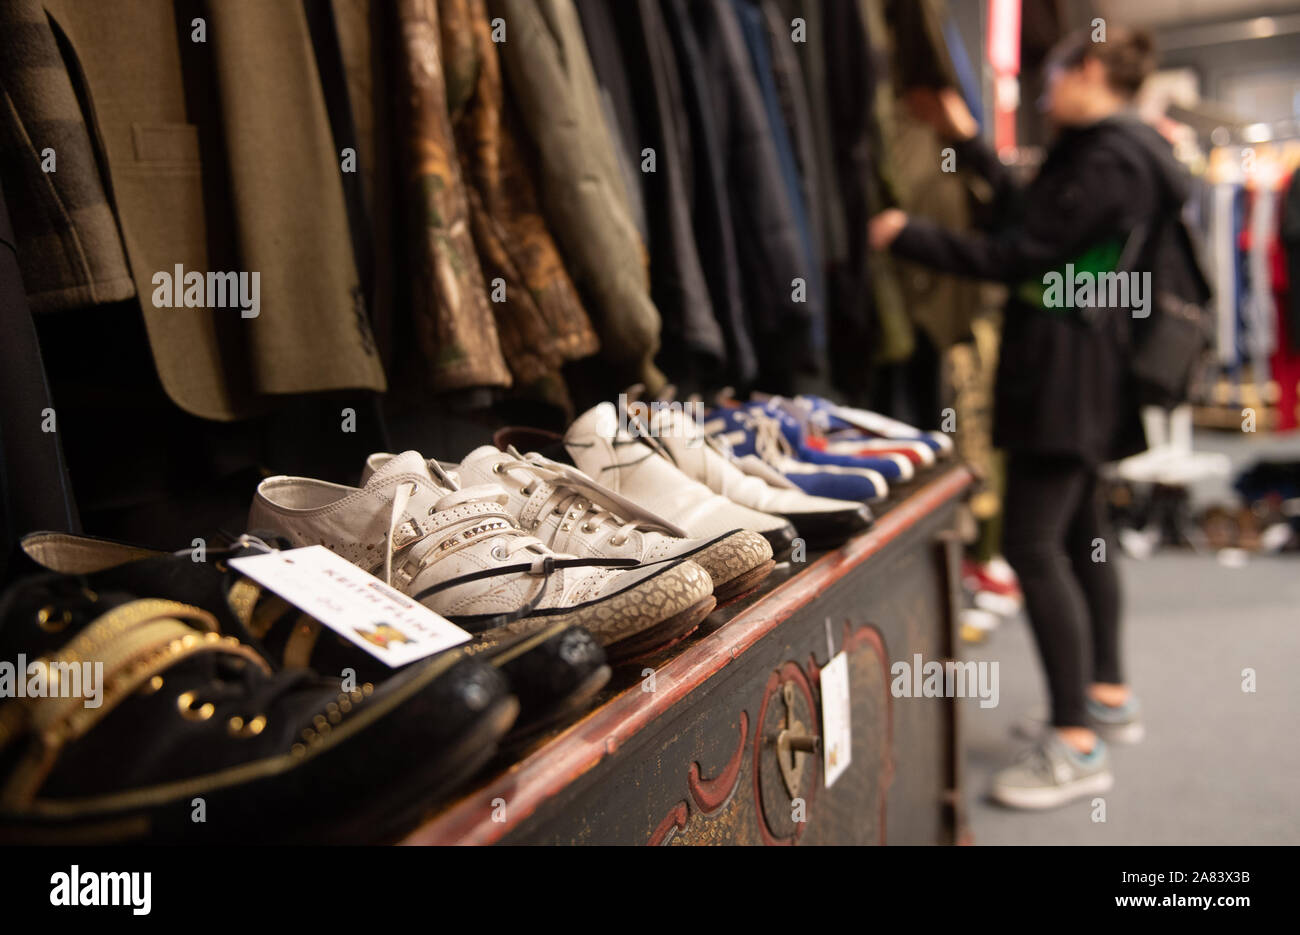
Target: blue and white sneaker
(844, 440)
(752, 433)
(893, 467)
(848, 424)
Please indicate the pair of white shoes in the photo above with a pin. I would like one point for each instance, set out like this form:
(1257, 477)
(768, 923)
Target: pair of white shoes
(636, 539)
(513, 543)
(673, 468)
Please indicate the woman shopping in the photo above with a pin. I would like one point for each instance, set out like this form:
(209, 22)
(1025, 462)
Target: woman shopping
(1063, 400)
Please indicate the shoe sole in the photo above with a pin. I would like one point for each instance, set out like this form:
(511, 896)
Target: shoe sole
(736, 563)
(665, 634)
(1054, 796)
(645, 607)
(742, 585)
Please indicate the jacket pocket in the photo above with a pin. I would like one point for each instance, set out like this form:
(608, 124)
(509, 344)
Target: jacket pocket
(166, 145)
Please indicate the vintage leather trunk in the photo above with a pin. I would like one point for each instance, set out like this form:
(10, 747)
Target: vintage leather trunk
(689, 749)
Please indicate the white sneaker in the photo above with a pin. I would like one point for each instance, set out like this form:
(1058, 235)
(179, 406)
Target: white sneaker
(573, 514)
(647, 476)
(460, 553)
(752, 483)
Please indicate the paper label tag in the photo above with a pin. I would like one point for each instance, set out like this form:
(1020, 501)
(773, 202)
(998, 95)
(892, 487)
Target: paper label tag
(837, 737)
(353, 603)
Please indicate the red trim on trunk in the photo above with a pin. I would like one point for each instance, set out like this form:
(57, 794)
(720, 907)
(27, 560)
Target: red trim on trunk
(712, 794)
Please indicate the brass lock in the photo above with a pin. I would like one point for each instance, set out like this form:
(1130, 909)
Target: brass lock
(786, 748)
(794, 744)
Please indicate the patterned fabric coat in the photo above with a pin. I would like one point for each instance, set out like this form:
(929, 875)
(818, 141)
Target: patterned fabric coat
(454, 323)
(540, 319)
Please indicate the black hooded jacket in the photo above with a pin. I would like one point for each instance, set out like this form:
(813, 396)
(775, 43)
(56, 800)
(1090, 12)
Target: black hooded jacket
(1062, 385)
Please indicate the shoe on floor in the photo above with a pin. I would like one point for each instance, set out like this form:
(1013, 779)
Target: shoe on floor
(1051, 774)
(573, 514)
(642, 471)
(819, 521)
(995, 576)
(976, 624)
(1120, 725)
(461, 553)
(184, 713)
(553, 673)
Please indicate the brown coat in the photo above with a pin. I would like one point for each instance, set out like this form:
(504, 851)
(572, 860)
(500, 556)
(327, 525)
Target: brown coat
(453, 318)
(541, 322)
(256, 188)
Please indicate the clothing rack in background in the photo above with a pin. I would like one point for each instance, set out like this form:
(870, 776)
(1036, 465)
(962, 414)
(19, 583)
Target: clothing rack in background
(1248, 208)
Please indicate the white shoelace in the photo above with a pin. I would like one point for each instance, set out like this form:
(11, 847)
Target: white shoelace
(507, 541)
(550, 489)
(770, 444)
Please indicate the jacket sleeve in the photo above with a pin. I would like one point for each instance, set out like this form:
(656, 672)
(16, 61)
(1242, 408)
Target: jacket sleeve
(977, 157)
(1058, 222)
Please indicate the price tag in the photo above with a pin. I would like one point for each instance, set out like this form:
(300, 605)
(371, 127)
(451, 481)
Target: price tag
(837, 738)
(353, 603)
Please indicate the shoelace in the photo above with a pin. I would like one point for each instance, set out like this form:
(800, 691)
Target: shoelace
(770, 443)
(739, 482)
(547, 488)
(671, 421)
(1042, 760)
(640, 431)
(508, 541)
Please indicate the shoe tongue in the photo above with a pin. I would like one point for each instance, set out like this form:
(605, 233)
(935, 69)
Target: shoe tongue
(408, 468)
(476, 468)
(408, 462)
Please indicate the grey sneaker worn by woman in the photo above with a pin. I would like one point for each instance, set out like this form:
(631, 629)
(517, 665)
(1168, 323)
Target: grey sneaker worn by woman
(1053, 773)
(1117, 724)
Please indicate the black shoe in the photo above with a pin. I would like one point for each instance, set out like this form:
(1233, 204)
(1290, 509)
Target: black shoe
(832, 528)
(555, 673)
(195, 738)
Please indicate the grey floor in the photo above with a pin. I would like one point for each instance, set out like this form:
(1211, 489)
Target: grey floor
(1219, 765)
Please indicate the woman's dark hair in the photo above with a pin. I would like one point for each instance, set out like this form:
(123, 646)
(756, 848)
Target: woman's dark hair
(1128, 55)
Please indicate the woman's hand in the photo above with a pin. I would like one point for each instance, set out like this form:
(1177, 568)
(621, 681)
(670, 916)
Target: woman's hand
(945, 110)
(885, 227)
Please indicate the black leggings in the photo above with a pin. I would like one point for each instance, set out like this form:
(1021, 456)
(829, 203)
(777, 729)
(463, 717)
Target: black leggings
(1054, 536)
